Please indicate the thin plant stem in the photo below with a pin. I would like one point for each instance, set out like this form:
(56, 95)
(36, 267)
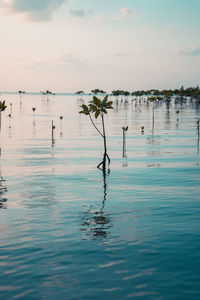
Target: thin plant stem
(104, 139)
(124, 143)
(95, 126)
(198, 136)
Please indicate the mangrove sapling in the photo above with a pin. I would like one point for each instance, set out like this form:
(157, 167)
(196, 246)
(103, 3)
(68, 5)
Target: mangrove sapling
(21, 93)
(61, 118)
(33, 109)
(52, 133)
(99, 108)
(154, 100)
(2, 108)
(124, 129)
(9, 116)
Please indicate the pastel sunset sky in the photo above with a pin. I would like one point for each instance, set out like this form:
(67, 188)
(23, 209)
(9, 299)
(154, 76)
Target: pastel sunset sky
(70, 45)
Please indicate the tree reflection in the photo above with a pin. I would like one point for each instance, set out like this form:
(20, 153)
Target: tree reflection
(3, 190)
(198, 133)
(96, 222)
(153, 141)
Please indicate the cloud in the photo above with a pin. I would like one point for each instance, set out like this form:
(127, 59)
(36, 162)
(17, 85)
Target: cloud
(61, 61)
(80, 13)
(127, 11)
(120, 54)
(124, 13)
(32, 10)
(98, 19)
(71, 59)
(191, 51)
(169, 29)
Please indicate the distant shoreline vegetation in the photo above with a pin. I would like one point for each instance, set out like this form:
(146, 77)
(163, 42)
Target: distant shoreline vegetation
(193, 92)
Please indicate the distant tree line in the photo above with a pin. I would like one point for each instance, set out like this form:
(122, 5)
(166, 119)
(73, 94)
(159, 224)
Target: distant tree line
(193, 92)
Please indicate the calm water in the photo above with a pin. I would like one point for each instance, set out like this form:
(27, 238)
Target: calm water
(68, 232)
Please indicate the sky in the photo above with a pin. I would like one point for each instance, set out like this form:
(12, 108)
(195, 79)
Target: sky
(71, 45)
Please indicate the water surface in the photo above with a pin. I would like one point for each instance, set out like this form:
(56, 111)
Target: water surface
(67, 230)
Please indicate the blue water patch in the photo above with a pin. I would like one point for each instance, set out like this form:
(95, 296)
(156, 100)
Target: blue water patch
(70, 230)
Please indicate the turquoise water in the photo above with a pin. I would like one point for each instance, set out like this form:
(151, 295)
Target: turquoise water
(68, 231)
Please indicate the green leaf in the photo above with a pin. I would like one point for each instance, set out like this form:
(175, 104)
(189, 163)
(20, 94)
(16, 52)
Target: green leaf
(2, 105)
(109, 105)
(85, 109)
(92, 107)
(104, 110)
(97, 114)
(96, 101)
(105, 99)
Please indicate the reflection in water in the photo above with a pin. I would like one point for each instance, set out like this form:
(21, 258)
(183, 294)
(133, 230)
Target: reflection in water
(34, 128)
(10, 131)
(154, 141)
(153, 165)
(52, 142)
(177, 124)
(96, 222)
(167, 116)
(52, 134)
(3, 190)
(10, 125)
(198, 132)
(137, 229)
(10, 108)
(39, 192)
(125, 164)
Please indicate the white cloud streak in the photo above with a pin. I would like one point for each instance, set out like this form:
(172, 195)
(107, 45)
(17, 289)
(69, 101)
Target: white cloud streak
(98, 19)
(120, 54)
(127, 11)
(190, 51)
(63, 61)
(32, 10)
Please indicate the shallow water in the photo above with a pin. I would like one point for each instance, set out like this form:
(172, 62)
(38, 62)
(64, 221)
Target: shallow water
(68, 231)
